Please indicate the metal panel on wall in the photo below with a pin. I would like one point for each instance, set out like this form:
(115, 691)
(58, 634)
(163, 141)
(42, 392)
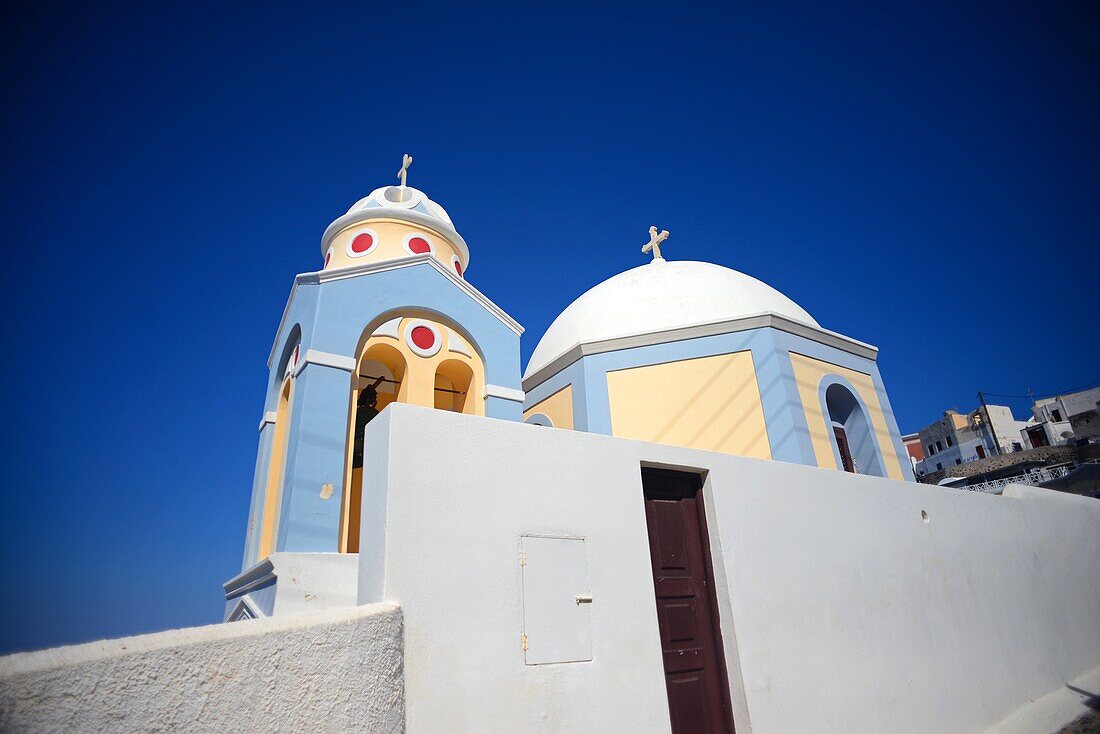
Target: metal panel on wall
(557, 624)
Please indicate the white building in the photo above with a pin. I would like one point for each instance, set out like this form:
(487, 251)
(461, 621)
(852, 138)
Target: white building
(1059, 420)
(958, 439)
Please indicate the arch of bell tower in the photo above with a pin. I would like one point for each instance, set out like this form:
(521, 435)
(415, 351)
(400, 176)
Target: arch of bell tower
(411, 357)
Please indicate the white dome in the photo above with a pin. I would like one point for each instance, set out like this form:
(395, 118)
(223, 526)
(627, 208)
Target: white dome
(659, 296)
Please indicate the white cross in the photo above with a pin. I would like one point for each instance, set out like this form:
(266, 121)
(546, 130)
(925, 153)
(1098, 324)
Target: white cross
(406, 161)
(654, 243)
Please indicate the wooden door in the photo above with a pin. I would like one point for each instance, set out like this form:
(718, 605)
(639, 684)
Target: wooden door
(845, 451)
(687, 608)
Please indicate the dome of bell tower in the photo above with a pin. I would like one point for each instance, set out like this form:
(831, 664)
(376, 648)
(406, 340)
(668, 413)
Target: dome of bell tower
(390, 223)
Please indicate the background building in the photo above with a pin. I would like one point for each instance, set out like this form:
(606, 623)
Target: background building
(957, 438)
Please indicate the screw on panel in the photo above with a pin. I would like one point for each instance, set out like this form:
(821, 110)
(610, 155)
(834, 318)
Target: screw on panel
(523, 642)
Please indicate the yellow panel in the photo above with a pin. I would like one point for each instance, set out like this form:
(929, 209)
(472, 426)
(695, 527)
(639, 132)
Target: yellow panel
(808, 374)
(710, 403)
(558, 408)
(273, 496)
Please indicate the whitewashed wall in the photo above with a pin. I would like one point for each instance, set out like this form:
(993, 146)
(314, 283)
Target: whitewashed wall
(847, 603)
(329, 671)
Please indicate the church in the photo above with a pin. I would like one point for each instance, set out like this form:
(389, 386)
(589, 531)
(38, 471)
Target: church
(690, 511)
(390, 314)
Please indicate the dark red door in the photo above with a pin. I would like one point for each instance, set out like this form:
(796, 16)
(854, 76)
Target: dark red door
(845, 451)
(687, 610)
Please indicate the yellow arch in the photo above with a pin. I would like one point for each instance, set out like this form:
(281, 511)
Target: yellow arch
(452, 378)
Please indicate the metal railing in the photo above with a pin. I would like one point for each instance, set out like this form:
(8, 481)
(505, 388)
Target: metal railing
(1032, 477)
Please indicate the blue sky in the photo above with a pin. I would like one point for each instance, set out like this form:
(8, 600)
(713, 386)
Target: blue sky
(923, 177)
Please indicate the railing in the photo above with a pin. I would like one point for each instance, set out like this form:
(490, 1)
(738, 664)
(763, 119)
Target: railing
(1032, 477)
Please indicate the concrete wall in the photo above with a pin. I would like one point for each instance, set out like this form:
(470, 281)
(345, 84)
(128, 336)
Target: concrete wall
(292, 583)
(847, 603)
(331, 671)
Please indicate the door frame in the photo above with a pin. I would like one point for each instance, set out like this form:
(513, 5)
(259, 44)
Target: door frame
(700, 477)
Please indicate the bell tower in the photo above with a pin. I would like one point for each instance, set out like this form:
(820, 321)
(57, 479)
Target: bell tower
(389, 317)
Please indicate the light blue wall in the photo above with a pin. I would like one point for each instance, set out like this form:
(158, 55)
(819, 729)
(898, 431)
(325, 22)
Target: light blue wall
(330, 317)
(784, 414)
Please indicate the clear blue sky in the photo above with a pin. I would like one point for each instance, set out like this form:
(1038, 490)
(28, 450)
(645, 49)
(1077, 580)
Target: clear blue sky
(921, 177)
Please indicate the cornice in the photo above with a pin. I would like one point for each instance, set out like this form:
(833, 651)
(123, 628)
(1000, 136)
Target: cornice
(504, 393)
(714, 328)
(259, 574)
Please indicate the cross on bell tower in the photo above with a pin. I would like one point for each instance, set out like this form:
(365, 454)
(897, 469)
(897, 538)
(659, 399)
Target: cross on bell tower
(406, 161)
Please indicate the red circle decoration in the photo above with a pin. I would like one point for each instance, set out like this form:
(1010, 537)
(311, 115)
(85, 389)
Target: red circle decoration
(423, 337)
(458, 268)
(362, 242)
(328, 258)
(419, 245)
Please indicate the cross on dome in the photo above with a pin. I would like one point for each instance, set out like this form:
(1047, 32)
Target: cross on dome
(654, 243)
(406, 161)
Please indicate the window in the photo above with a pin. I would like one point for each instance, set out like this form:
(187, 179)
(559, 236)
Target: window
(958, 461)
(931, 449)
(853, 437)
(1057, 415)
(939, 466)
(939, 445)
(980, 451)
(949, 442)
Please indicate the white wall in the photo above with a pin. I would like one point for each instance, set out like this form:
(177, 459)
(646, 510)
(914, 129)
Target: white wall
(847, 603)
(292, 583)
(330, 671)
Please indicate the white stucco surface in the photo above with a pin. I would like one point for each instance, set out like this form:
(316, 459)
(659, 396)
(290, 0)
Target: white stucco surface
(657, 297)
(328, 671)
(300, 582)
(847, 603)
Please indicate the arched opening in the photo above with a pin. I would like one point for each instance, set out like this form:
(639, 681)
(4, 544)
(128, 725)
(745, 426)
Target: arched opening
(409, 357)
(852, 434)
(276, 467)
(453, 380)
(378, 381)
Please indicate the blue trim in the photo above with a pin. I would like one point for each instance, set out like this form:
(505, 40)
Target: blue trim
(892, 425)
(539, 419)
(571, 375)
(784, 414)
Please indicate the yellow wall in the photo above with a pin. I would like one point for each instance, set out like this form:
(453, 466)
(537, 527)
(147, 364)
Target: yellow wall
(418, 377)
(391, 243)
(276, 467)
(558, 408)
(808, 373)
(710, 403)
